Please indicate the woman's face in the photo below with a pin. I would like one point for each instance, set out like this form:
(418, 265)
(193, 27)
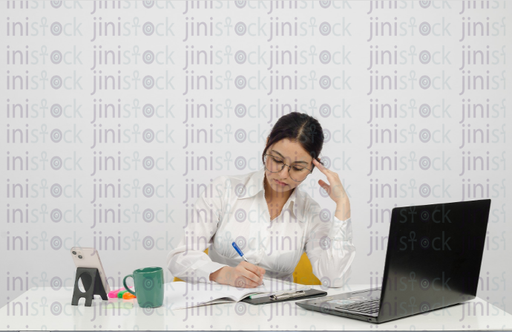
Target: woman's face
(292, 154)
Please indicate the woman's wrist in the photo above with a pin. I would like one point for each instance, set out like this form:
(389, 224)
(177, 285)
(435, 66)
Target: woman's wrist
(342, 209)
(215, 275)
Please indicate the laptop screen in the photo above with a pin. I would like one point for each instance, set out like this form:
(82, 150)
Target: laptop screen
(433, 257)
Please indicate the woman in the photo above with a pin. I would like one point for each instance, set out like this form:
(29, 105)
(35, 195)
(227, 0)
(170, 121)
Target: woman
(272, 223)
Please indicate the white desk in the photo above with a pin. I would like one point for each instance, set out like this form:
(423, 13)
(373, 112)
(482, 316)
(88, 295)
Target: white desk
(48, 309)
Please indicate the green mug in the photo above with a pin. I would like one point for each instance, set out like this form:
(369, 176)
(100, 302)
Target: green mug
(149, 286)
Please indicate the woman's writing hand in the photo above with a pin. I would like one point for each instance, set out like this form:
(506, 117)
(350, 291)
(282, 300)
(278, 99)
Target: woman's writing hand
(244, 275)
(335, 190)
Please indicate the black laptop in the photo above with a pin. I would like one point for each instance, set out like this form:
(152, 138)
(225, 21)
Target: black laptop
(433, 261)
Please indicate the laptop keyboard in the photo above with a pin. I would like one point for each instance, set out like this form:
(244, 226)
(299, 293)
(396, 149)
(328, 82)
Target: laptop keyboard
(365, 307)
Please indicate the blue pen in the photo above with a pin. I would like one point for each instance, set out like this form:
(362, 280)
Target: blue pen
(239, 251)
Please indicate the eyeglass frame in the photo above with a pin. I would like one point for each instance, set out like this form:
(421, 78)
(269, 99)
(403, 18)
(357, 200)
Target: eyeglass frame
(289, 167)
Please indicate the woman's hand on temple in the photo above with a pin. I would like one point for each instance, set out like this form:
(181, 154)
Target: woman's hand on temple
(244, 275)
(335, 190)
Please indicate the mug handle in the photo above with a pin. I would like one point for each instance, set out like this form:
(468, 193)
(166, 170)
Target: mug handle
(126, 286)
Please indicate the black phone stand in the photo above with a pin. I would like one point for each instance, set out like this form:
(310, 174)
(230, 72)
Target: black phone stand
(92, 284)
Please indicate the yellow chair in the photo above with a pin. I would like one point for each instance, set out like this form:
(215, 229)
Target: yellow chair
(303, 273)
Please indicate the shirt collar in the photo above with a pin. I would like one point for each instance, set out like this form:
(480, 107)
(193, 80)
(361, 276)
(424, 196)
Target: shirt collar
(253, 185)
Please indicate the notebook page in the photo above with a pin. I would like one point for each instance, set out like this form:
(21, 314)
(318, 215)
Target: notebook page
(185, 295)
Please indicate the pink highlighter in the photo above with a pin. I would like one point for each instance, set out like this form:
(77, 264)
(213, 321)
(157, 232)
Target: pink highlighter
(113, 294)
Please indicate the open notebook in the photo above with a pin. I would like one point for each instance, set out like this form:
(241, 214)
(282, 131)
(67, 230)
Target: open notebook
(186, 295)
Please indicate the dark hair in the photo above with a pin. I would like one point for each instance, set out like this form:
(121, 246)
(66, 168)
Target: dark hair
(299, 127)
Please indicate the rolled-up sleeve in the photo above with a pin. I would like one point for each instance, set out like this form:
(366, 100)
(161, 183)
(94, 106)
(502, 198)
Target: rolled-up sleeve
(329, 247)
(188, 261)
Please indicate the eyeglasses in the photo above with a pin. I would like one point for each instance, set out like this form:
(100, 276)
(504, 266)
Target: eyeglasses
(275, 165)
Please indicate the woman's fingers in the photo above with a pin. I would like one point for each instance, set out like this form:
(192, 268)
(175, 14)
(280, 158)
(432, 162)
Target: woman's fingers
(327, 172)
(247, 283)
(259, 271)
(252, 272)
(324, 185)
(251, 276)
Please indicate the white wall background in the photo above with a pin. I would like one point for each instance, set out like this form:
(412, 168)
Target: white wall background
(55, 133)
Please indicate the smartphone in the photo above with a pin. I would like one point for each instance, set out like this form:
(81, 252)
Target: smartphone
(89, 257)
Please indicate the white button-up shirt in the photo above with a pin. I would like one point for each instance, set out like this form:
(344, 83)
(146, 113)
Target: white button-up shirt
(238, 212)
